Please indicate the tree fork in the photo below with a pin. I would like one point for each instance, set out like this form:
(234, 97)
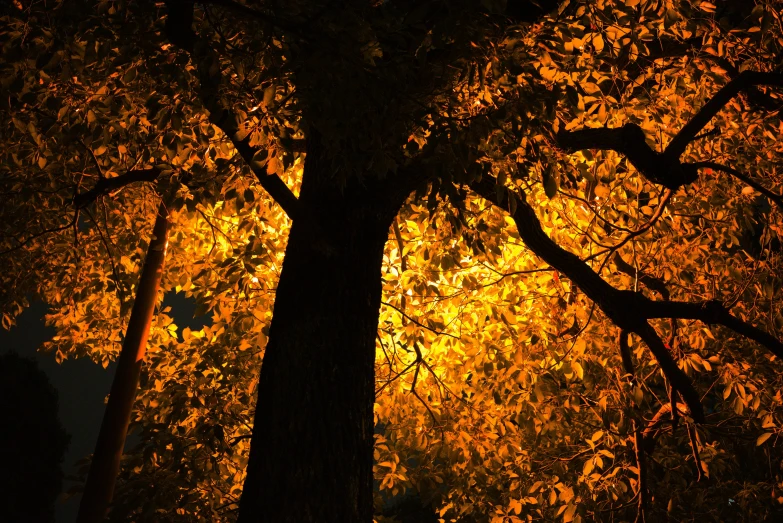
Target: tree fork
(105, 465)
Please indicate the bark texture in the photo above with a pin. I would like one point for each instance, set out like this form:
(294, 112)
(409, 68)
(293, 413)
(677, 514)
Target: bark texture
(312, 444)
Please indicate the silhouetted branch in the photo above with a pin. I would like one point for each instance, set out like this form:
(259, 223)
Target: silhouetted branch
(180, 32)
(403, 261)
(94, 159)
(630, 141)
(439, 333)
(711, 313)
(744, 80)
(776, 198)
(651, 282)
(655, 425)
(619, 306)
(23, 243)
(107, 185)
(663, 168)
(755, 96)
(80, 201)
(641, 467)
(677, 379)
(627, 309)
(644, 228)
(419, 361)
(695, 450)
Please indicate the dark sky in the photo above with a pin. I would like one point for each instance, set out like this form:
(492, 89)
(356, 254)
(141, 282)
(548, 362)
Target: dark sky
(81, 385)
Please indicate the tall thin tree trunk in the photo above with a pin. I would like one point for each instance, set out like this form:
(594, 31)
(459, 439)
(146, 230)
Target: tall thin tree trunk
(312, 444)
(108, 450)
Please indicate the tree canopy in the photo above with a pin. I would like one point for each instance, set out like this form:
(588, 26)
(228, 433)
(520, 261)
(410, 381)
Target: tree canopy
(534, 266)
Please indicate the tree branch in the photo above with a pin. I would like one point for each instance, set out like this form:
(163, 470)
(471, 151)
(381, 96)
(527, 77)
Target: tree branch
(744, 80)
(644, 228)
(416, 322)
(106, 185)
(664, 168)
(775, 198)
(179, 31)
(695, 450)
(618, 305)
(711, 313)
(630, 141)
(756, 96)
(641, 467)
(651, 282)
(627, 309)
(94, 159)
(23, 243)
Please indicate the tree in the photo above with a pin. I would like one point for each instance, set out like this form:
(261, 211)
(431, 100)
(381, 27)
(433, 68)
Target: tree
(33, 441)
(630, 149)
(105, 464)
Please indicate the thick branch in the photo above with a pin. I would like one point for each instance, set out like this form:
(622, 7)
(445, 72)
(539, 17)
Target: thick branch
(180, 32)
(652, 283)
(677, 379)
(664, 168)
(755, 96)
(619, 306)
(107, 185)
(711, 313)
(630, 141)
(744, 80)
(628, 310)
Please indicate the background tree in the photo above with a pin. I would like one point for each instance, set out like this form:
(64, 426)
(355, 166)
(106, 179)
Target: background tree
(532, 196)
(32, 442)
(109, 447)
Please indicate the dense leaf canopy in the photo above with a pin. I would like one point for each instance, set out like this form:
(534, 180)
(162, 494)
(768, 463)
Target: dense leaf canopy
(594, 216)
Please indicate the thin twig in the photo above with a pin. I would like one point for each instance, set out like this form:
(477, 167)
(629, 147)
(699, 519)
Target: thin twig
(419, 323)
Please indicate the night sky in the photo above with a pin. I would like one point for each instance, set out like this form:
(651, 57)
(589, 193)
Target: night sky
(81, 385)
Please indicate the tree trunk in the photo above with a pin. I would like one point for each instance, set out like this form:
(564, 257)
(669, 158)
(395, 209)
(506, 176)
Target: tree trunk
(312, 445)
(108, 449)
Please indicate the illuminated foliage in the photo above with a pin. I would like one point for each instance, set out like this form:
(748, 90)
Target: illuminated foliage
(600, 176)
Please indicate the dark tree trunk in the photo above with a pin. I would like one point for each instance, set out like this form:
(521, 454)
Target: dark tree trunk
(312, 444)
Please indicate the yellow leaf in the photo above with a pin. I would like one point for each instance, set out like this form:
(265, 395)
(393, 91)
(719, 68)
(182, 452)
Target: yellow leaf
(598, 43)
(272, 166)
(764, 437)
(602, 191)
(568, 516)
(578, 370)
